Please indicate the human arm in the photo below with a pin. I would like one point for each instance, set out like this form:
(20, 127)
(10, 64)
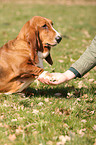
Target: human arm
(86, 61)
(84, 64)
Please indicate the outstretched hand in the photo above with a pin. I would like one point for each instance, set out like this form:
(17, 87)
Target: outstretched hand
(56, 78)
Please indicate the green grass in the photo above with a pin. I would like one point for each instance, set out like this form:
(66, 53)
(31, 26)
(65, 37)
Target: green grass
(41, 118)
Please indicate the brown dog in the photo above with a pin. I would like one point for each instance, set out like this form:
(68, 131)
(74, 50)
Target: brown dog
(21, 59)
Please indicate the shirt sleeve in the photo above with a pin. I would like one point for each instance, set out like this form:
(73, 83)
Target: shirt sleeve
(86, 61)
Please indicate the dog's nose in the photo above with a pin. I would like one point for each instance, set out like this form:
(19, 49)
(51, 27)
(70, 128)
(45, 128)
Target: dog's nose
(58, 39)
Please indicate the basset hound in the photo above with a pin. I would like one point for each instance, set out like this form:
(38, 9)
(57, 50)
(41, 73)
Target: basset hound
(21, 59)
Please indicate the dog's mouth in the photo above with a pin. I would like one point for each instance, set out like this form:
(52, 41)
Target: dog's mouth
(47, 45)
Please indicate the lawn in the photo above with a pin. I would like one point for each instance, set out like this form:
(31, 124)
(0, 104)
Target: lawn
(52, 115)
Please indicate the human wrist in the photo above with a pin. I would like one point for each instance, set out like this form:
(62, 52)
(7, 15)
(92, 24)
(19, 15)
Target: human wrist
(69, 75)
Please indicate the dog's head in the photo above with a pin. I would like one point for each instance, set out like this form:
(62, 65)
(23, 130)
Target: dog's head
(41, 36)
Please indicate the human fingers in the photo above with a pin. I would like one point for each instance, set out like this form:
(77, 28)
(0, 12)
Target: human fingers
(44, 81)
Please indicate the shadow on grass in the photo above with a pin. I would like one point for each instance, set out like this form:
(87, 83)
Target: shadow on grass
(59, 92)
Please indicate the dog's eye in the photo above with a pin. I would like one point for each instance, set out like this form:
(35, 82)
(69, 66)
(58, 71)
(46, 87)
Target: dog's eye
(45, 26)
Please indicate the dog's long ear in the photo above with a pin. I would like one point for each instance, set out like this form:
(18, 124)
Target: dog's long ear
(32, 41)
(28, 33)
(49, 59)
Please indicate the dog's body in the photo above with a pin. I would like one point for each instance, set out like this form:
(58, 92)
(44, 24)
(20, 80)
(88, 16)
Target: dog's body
(21, 59)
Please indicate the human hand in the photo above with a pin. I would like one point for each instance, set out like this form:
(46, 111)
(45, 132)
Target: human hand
(53, 78)
(56, 78)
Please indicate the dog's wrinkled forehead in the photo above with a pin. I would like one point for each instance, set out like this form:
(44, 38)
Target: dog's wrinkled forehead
(40, 21)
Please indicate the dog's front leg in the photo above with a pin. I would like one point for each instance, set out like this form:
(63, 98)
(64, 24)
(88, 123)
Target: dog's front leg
(28, 69)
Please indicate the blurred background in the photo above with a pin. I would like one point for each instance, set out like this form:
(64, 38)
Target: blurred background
(68, 2)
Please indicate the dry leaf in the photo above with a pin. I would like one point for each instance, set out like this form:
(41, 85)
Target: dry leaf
(91, 80)
(80, 84)
(35, 111)
(85, 96)
(12, 137)
(63, 139)
(32, 104)
(49, 143)
(86, 33)
(95, 142)
(19, 130)
(40, 104)
(92, 112)
(1, 125)
(62, 111)
(81, 132)
(84, 121)
(57, 94)
(35, 133)
(1, 117)
(94, 127)
(13, 120)
(46, 99)
(61, 61)
(6, 126)
(72, 60)
(59, 143)
(78, 99)
(65, 125)
(94, 82)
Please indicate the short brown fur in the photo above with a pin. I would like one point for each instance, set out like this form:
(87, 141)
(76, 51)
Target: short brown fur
(18, 57)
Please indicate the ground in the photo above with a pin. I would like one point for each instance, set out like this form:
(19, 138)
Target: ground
(64, 114)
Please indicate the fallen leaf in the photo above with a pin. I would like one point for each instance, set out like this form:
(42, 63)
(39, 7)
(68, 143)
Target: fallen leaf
(86, 33)
(84, 121)
(80, 84)
(91, 80)
(94, 127)
(35, 133)
(78, 99)
(19, 130)
(40, 104)
(12, 137)
(6, 126)
(81, 132)
(65, 125)
(85, 96)
(57, 94)
(46, 99)
(35, 111)
(61, 61)
(13, 120)
(32, 104)
(94, 82)
(1, 125)
(59, 143)
(49, 143)
(63, 139)
(69, 95)
(92, 112)
(72, 60)
(1, 117)
(62, 111)
(95, 142)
